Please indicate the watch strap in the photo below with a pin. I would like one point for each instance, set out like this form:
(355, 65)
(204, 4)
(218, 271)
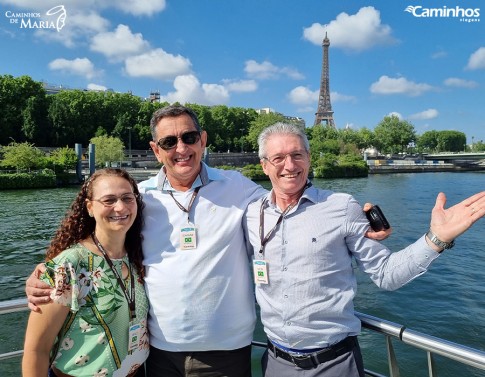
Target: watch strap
(434, 239)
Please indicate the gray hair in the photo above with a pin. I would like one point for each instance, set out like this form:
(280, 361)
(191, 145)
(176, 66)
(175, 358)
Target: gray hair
(172, 111)
(280, 129)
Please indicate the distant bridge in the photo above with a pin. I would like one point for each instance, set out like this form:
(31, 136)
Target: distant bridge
(457, 156)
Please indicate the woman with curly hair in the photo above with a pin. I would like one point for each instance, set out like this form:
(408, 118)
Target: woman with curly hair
(95, 324)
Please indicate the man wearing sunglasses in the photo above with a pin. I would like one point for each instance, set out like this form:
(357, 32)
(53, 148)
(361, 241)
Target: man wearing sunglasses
(198, 282)
(202, 314)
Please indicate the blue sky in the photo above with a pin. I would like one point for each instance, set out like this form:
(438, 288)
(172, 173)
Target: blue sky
(429, 70)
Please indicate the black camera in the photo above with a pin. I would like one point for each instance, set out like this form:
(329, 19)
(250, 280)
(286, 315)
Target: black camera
(377, 219)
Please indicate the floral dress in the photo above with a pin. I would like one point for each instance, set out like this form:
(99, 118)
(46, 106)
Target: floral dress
(94, 339)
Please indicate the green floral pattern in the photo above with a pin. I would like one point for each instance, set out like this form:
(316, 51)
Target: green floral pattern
(93, 340)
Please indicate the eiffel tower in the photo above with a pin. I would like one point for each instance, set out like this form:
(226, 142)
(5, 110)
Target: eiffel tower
(324, 111)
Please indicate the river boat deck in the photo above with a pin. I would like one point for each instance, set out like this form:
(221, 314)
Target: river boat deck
(392, 333)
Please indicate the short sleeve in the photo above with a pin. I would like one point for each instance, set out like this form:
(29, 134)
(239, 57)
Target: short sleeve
(63, 278)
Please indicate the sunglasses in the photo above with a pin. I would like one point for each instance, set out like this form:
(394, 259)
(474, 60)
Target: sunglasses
(170, 142)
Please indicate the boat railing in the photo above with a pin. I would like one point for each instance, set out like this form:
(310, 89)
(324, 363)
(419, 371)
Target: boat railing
(433, 346)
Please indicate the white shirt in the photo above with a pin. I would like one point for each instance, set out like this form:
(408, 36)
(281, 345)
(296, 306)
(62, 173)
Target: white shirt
(200, 299)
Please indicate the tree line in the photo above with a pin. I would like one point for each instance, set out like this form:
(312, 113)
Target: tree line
(28, 114)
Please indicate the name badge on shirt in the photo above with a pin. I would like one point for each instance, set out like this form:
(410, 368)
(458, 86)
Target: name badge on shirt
(134, 334)
(188, 238)
(260, 269)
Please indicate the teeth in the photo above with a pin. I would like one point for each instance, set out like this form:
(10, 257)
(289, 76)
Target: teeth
(119, 217)
(290, 175)
(182, 159)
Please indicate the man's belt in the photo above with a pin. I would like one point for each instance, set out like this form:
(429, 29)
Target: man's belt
(314, 359)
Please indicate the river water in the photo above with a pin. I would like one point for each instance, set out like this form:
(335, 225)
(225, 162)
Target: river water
(446, 302)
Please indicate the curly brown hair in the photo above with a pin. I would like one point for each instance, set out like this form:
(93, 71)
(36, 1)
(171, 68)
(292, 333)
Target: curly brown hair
(77, 225)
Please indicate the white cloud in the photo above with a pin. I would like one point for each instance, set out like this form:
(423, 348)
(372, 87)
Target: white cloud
(267, 70)
(460, 83)
(79, 66)
(396, 114)
(357, 32)
(387, 85)
(240, 85)
(477, 59)
(337, 97)
(303, 96)
(119, 44)
(439, 54)
(139, 7)
(100, 88)
(157, 64)
(189, 89)
(426, 114)
(79, 25)
(83, 18)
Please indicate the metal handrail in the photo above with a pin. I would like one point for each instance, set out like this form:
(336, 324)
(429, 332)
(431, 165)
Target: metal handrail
(432, 345)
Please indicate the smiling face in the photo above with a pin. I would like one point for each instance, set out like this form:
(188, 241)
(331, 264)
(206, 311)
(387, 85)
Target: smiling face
(289, 178)
(119, 217)
(182, 162)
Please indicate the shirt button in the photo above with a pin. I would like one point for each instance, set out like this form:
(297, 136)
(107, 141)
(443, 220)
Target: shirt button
(288, 323)
(286, 242)
(285, 268)
(286, 296)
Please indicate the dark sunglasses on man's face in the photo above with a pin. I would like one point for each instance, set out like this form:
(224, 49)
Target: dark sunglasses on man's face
(170, 142)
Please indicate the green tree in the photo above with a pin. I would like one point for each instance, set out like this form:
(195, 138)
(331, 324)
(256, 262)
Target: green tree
(366, 137)
(323, 140)
(23, 156)
(394, 135)
(108, 149)
(479, 146)
(140, 133)
(36, 127)
(63, 159)
(15, 93)
(451, 141)
(428, 141)
(258, 125)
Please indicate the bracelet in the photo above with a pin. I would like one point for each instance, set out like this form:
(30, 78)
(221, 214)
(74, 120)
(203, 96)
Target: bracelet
(444, 245)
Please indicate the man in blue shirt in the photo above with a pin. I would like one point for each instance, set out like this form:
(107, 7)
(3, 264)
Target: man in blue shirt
(304, 239)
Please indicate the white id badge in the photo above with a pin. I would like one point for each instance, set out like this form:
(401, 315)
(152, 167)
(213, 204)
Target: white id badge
(188, 238)
(134, 334)
(260, 269)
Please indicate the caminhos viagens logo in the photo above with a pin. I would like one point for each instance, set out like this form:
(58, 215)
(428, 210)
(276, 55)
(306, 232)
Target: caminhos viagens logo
(459, 13)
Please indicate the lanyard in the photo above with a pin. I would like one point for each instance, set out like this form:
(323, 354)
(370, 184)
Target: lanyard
(186, 210)
(129, 298)
(265, 239)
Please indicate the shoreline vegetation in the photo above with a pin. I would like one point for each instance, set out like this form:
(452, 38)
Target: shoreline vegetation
(47, 178)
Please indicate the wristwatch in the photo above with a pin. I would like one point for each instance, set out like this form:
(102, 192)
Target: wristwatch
(444, 245)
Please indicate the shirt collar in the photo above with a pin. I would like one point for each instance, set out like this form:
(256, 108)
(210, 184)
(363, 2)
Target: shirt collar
(206, 175)
(310, 194)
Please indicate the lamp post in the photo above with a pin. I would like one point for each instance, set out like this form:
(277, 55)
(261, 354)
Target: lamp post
(129, 146)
